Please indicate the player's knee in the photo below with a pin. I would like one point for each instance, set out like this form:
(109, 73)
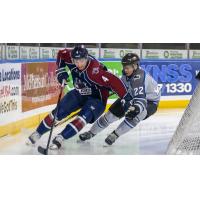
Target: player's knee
(92, 112)
(117, 109)
(87, 115)
(61, 114)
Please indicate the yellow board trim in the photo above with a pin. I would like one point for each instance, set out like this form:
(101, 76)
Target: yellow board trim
(31, 122)
(174, 104)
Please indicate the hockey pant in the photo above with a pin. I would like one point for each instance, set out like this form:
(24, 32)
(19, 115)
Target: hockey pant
(91, 110)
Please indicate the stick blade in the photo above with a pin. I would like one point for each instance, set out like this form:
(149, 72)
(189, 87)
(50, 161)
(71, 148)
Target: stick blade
(42, 150)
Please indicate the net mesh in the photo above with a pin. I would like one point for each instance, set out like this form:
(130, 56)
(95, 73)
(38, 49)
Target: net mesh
(186, 139)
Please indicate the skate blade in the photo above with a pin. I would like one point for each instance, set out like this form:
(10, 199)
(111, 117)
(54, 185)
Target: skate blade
(53, 147)
(29, 143)
(80, 141)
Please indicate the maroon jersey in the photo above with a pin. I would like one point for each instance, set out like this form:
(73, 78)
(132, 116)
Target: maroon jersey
(94, 80)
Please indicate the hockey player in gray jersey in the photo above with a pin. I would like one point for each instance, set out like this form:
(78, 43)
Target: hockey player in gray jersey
(146, 96)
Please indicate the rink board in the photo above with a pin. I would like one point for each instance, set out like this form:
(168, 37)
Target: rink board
(33, 121)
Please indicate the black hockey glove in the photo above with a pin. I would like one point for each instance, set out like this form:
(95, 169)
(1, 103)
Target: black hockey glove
(127, 102)
(62, 75)
(132, 112)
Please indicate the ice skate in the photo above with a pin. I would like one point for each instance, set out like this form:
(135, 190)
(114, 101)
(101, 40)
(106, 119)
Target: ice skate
(33, 138)
(111, 138)
(57, 142)
(86, 136)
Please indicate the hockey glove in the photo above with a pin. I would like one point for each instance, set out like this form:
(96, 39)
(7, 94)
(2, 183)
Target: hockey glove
(127, 101)
(62, 75)
(132, 112)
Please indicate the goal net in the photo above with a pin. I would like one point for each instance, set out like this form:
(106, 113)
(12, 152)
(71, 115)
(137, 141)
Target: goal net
(186, 139)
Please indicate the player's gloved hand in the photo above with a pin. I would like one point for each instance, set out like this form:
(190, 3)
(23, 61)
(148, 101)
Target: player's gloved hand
(127, 101)
(62, 75)
(132, 112)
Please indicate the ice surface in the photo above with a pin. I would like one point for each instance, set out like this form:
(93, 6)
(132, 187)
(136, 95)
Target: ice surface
(149, 137)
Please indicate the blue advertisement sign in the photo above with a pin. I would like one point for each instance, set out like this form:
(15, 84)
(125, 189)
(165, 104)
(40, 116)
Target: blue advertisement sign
(174, 77)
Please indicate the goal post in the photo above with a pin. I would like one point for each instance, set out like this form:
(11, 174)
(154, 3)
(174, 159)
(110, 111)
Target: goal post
(186, 139)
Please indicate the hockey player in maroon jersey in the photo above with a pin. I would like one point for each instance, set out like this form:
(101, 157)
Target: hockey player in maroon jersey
(92, 84)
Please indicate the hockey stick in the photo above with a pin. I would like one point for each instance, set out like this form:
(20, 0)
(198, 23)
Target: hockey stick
(42, 150)
(67, 119)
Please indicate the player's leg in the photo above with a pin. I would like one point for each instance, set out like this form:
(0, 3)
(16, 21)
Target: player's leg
(69, 103)
(128, 124)
(90, 112)
(115, 112)
(125, 126)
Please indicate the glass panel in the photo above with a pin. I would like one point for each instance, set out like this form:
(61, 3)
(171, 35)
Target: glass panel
(87, 45)
(30, 44)
(52, 44)
(120, 45)
(195, 46)
(164, 46)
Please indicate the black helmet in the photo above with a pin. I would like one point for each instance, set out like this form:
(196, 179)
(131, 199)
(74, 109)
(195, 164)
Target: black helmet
(130, 59)
(79, 52)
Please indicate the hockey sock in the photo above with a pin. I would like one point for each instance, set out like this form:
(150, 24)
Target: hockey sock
(45, 124)
(103, 122)
(126, 126)
(73, 127)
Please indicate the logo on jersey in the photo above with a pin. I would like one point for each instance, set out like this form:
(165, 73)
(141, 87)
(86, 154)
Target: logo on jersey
(136, 77)
(105, 79)
(92, 107)
(82, 87)
(95, 70)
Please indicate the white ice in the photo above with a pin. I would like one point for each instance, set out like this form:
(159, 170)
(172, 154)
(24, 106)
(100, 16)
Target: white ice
(149, 137)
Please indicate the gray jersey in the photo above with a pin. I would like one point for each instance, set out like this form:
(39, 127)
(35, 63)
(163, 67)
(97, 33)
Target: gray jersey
(142, 88)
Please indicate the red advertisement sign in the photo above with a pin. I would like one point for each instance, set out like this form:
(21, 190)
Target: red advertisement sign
(39, 85)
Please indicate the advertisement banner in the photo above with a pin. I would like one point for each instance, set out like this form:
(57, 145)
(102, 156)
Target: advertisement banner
(164, 54)
(10, 92)
(175, 78)
(49, 52)
(39, 85)
(194, 54)
(12, 52)
(1, 52)
(117, 53)
(29, 52)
